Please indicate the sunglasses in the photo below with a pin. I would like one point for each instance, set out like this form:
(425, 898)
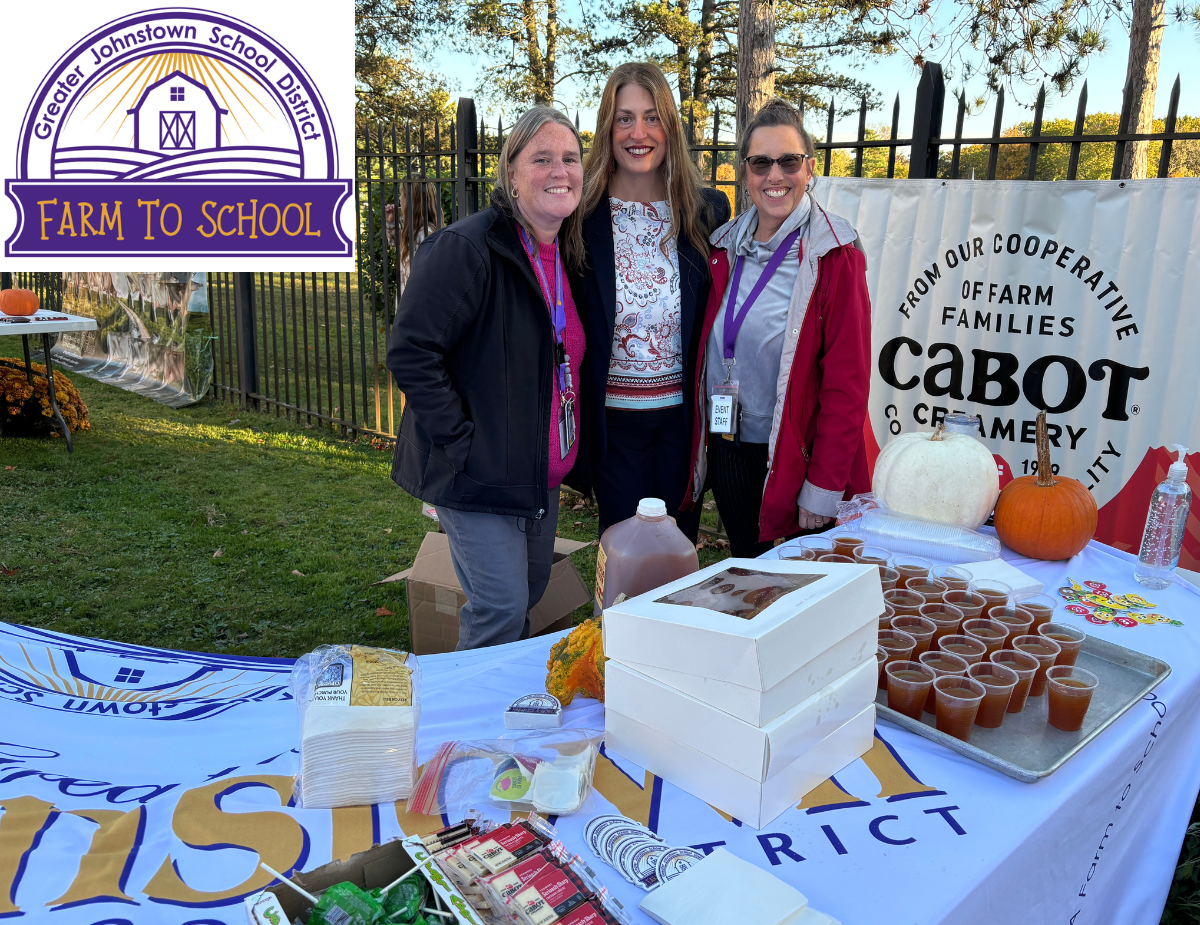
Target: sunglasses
(760, 164)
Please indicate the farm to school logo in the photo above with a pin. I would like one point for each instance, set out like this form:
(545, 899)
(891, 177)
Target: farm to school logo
(177, 132)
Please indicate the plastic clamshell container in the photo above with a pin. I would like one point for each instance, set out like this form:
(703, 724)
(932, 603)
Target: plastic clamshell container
(757, 653)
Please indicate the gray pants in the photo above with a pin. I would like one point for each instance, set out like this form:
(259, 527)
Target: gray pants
(503, 564)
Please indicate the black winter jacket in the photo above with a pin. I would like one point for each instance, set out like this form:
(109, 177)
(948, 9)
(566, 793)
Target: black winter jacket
(596, 299)
(472, 350)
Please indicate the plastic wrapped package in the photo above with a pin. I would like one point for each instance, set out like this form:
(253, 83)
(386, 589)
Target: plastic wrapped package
(548, 770)
(913, 537)
(359, 710)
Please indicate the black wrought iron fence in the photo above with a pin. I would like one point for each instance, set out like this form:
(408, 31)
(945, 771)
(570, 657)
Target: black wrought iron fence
(310, 346)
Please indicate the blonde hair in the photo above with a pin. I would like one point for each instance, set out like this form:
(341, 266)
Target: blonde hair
(570, 233)
(680, 175)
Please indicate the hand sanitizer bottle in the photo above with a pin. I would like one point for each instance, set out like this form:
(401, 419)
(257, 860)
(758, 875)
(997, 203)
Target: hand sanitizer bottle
(1165, 524)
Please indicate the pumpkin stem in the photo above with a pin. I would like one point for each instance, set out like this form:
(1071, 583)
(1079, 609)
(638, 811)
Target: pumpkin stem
(1045, 474)
(937, 434)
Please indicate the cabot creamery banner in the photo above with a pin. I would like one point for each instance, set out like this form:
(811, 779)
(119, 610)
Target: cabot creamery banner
(140, 134)
(153, 336)
(1001, 299)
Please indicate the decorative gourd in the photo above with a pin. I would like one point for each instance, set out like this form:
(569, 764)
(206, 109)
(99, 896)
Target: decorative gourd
(940, 476)
(576, 664)
(18, 302)
(1045, 516)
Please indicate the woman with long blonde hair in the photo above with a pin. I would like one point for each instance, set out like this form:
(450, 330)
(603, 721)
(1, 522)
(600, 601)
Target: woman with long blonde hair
(647, 219)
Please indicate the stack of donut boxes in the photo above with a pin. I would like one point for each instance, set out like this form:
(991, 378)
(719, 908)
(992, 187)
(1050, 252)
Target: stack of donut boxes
(748, 715)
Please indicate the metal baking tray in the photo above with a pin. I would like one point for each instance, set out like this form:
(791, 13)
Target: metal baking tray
(1026, 746)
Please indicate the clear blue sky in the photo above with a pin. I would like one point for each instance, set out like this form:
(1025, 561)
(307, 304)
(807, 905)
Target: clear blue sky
(1105, 76)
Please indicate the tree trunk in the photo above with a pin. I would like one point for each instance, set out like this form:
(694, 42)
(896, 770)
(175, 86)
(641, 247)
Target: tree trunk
(755, 63)
(551, 46)
(700, 86)
(683, 56)
(1141, 80)
(533, 51)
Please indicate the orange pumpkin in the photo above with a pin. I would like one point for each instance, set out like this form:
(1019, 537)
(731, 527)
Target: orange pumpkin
(1045, 516)
(18, 302)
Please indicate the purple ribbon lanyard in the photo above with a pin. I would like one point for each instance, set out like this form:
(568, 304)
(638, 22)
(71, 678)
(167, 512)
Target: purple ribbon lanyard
(558, 311)
(733, 321)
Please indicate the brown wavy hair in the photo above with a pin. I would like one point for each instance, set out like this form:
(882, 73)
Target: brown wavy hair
(691, 215)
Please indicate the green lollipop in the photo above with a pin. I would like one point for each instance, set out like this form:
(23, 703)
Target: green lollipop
(341, 904)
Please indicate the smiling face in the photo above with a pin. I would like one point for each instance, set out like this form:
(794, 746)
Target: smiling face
(638, 138)
(776, 194)
(547, 177)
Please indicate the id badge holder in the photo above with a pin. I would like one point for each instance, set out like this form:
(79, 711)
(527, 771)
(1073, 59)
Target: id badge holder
(724, 414)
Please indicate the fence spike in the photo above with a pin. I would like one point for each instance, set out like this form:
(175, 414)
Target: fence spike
(1164, 157)
(994, 154)
(862, 136)
(829, 136)
(1080, 119)
(1039, 108)
(895, 131)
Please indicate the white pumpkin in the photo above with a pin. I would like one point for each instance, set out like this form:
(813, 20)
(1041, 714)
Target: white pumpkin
(950, 478)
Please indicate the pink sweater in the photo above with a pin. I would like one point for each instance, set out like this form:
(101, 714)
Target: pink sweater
(574, 341)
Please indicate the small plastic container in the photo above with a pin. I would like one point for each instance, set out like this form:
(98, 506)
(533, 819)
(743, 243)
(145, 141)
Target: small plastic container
(1025, 666)
(989, 632)
(817, 544)
(888, 577)
(885, 618)
(995, 593)
(908, 685)
(898, 645)
(1071, 691)
(1045, 651)
(642, 553)
(965, 647)
(954, 578)
(958, 699)
(911, 567)
(905, 602)
(1069, 640)
(847, 542)
(796, 552)
(1042, 606)
(941, 663)
(930, 588)
(946, 620)
(970, 603)
(881, 656)
(918, 628)
(999, 682)
(1017, 619)
(835, 557)
(872, 555)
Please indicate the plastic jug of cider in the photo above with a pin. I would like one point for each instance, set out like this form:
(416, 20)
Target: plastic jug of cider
(642, 553)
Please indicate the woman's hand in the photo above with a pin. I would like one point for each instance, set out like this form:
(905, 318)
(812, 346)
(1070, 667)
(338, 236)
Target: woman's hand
(810, 521)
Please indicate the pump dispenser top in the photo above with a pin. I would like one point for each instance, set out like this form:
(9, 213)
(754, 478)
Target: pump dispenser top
(1178, 468)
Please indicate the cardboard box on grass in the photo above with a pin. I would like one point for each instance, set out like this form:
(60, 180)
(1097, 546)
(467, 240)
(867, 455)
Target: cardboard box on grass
(750, 801)
(376, 867)
(835, 601)
(757, 753)
(435, 596)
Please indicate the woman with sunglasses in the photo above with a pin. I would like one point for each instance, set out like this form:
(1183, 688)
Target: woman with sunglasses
(787, 359)
(646, 226)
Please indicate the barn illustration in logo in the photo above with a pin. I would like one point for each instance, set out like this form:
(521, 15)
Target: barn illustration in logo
(177, 131)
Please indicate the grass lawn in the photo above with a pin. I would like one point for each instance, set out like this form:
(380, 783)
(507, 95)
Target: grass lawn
(120, 539)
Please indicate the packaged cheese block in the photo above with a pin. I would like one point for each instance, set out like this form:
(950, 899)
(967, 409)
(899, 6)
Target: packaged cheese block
(502, 847)
(550, 896)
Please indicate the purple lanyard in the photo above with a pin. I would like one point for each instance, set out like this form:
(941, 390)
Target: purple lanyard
(733, 323)
(558, 310)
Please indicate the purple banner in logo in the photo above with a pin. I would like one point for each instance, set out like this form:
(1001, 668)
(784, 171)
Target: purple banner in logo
(83, 218)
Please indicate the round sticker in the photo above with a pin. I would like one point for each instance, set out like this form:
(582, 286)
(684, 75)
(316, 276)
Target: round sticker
(1124, 621)
(1096, 585)
(1099, 621)
(643, 864)
(1078, 608)
(674, 861)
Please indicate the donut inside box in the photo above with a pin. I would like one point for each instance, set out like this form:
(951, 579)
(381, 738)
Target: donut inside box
(746, 683)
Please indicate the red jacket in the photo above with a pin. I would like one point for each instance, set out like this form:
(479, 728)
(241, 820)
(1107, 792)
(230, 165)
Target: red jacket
(820, 438)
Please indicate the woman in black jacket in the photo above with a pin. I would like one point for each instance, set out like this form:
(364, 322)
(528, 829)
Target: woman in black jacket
(642, 295)
(487, 348)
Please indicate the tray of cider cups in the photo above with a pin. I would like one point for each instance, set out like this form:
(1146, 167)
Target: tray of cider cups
(993, 676)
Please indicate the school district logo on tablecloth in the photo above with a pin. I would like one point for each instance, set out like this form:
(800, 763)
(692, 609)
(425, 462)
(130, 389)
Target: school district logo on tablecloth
(180, 132)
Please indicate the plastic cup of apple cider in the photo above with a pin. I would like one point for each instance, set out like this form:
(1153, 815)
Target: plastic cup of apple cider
(911, 567)
(956, 579)
(1069, 639)
(817, 545)
(847, 542)
(1025, 666)
(918, 628)
(967, 648)
(995, 593)
(1045, 651)
(1042, 607)
(946, 620)
(991, 633)
(881, 656)
(1071, 691)
(930, 588)
(970, 603)
(958, 699)
(941, 663)
(906, 603)
(835, 557)
(1018, 620)
(888, 577)
(908, 684)
(899, 645)
(999, 683)
(872, 555)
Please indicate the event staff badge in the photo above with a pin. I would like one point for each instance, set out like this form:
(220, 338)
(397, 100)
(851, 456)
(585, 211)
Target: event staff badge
(724, 404)
(135, 135)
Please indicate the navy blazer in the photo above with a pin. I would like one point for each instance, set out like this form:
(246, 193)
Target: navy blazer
(595, 294)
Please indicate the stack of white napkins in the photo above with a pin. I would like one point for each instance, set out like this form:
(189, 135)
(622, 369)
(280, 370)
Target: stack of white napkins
(722, 889)
(357, 756)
